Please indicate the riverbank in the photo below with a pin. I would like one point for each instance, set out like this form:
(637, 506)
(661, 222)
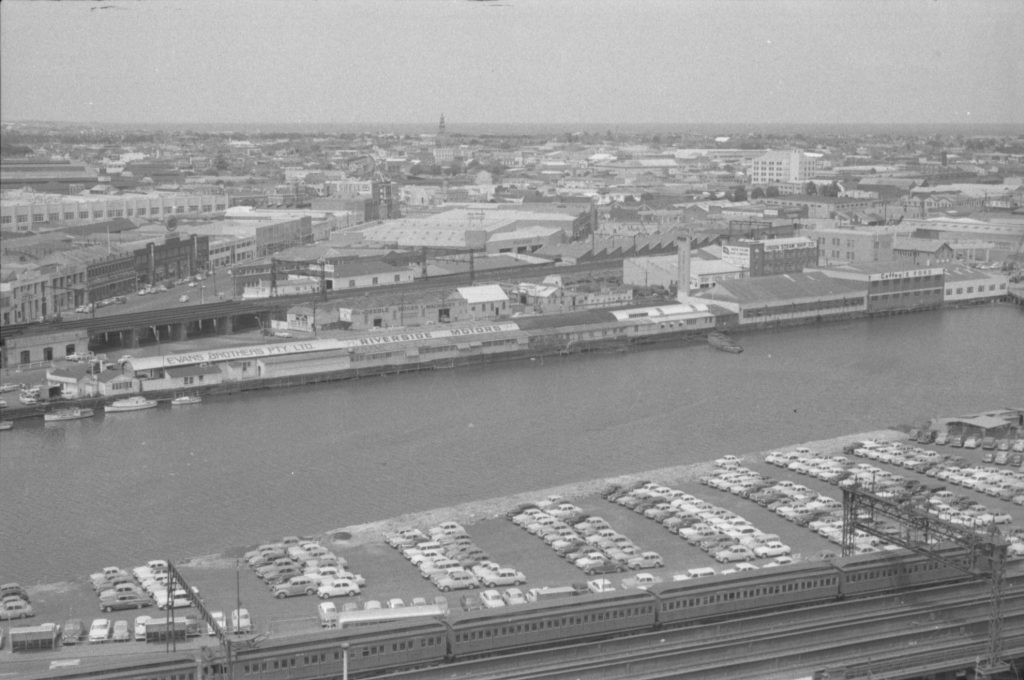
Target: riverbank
(558, 342)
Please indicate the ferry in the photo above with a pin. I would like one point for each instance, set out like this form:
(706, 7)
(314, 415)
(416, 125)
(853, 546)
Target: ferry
(186, 400)
(68, 414)
(129, 404)
(723, 342)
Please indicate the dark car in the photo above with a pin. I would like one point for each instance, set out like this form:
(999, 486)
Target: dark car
(471, 602)
(13, 589)
(124, 601)
(606, 567)
(72, 632)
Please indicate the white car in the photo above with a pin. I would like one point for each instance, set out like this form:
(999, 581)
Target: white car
(240, 621)
(337, 588)
(491, 599)
(513, 596)
(503, 576)
(140, 627)
(772, 549)
(100, 630)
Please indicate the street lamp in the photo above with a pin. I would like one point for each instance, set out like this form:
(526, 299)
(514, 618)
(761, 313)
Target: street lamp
(344, 661)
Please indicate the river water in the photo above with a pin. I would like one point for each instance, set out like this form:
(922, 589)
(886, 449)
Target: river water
(123, 488)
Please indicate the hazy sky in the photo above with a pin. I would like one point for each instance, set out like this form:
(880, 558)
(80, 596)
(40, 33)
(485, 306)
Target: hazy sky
(523, 61)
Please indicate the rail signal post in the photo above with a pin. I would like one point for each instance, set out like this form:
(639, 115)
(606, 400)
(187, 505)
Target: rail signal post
(925, 534)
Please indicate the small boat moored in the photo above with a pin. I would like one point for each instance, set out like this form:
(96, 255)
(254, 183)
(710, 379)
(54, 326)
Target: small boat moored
(186, 400)
(68, 414)
(6, 425)
(723, 342)
(129, 404)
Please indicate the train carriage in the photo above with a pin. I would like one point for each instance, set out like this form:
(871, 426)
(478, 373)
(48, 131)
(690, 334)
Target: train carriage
(371, 648)
(779, 587)
(891, 570)
(569, 619)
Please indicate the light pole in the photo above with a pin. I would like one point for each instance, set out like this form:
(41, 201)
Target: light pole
(344, 661)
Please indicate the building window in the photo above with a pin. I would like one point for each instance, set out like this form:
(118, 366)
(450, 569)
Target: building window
(6, 219)
(83, 214)
(375, 280)
(69, 215)
(22, 219)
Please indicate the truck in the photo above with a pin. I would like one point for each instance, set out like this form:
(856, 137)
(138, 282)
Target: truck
(162, 629)
(34, 638)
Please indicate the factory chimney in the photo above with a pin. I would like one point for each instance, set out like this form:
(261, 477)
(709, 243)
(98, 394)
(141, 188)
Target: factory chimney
(683, 267)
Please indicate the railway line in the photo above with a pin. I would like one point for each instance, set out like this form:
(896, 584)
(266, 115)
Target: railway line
(771, 645)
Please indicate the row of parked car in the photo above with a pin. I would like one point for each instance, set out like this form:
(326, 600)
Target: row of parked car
(447, 556)
(14, 602)
(1004, 445)
(724, 535)
(944, 504)
(588, 542)
(293, 567)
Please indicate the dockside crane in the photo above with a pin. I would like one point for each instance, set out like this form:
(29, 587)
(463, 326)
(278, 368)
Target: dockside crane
(930, 536)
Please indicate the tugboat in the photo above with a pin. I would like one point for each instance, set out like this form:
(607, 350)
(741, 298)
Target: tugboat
(68, 414)
(723, 342)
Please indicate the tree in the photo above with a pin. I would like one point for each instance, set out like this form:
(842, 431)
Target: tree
(811, 189)
(758, 192)
(739, 194)
(832, 190)
(771, 192)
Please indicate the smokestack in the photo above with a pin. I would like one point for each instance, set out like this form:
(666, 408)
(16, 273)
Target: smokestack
(683, 267)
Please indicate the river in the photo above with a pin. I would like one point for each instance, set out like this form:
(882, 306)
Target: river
(233, 471)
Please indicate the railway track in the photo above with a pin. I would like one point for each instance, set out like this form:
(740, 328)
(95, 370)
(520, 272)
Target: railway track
(885, 628)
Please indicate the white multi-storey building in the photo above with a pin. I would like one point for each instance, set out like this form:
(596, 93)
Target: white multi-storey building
(782, 167)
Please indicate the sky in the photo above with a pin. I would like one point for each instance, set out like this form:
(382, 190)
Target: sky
(513, 61)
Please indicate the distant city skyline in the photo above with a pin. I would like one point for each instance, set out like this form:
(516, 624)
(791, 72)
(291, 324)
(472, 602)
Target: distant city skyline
(577, 62)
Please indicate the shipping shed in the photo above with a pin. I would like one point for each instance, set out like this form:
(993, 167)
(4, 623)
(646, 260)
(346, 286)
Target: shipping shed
(787, 297)
(35, 638)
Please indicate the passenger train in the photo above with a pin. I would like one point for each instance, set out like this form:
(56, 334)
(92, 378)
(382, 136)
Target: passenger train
(407, 644)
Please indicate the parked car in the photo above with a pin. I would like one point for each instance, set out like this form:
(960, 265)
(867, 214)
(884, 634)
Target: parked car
(110, 601)
(455, 580)
(734, 553)
(140, 626)
(337, 588)
(491, 599)
(772, 549)
(240, 621)
(220, 620)
(503, 576)
(513, 596)
(13, 589)
(15, 608)
(72, 632)
(121, 631)
(646, 560)
(297, 585)
(470, 603)
(100, 630)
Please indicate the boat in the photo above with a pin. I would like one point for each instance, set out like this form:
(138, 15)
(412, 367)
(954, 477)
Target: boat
(6, 424)
(186, 400)
(68, 414)
(723, 342)
(129, 404)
